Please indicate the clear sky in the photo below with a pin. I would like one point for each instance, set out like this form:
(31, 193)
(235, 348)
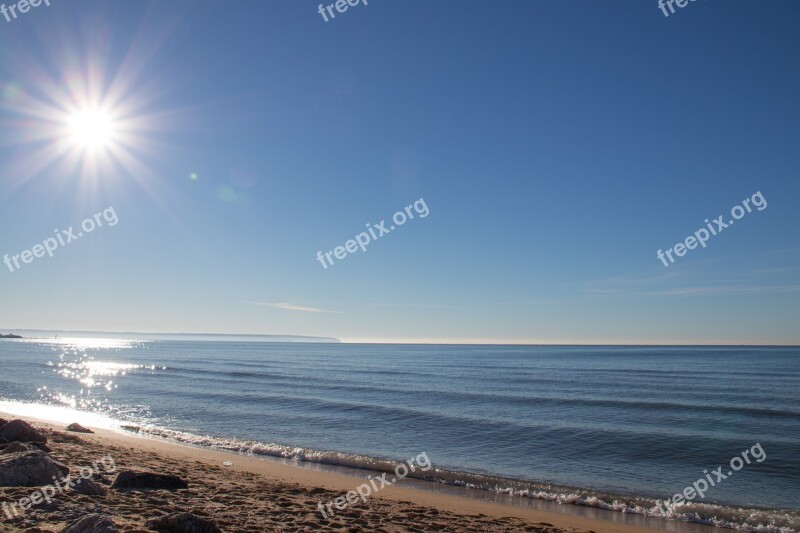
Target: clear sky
(557, 146)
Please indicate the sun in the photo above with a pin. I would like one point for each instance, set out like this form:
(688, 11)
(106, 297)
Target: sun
(91, 128)
(96, 120)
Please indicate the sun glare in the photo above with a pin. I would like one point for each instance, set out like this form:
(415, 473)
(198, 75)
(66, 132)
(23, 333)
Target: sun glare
(89, 120)
(91, 129)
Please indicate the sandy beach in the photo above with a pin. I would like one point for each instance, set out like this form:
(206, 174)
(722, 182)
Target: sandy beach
(254, 495)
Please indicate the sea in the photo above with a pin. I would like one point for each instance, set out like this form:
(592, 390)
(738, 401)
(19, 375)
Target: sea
(603, 431)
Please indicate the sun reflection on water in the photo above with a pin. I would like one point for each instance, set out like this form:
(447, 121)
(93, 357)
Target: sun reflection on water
(97, 378)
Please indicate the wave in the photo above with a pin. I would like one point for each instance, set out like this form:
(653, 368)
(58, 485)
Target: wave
(750, 519)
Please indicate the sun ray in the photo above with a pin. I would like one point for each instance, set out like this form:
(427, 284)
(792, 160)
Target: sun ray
(75, 111)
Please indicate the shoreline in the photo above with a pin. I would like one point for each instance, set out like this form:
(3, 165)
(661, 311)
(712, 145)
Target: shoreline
(338, 481)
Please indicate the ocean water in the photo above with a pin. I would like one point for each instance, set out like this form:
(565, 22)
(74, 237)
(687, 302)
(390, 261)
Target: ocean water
(606, 427)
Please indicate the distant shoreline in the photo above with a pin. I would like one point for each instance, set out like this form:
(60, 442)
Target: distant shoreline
(257, 337)
(136, 335)
(9, 336)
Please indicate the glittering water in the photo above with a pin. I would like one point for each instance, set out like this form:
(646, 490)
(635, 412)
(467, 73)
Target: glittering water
(611, 427)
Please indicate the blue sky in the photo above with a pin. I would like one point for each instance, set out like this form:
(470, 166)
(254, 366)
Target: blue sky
(557, 145)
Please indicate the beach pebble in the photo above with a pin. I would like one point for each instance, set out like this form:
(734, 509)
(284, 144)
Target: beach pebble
(129, 479)
(227, 463)
(17, 447)
(184, 523)
(21, 431)
(88, 487)
(93, 523)
(77, 428)
(29, 469)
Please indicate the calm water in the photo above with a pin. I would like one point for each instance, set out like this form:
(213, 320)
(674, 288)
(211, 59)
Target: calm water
(610, 427)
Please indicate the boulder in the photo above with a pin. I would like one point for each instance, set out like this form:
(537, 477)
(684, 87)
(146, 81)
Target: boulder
(93, 523)
(129, 479)
(29, 469)
(21, 431)
(17, 447)
(77, 428)
(183, 523)
(3, 422)
(89, 488)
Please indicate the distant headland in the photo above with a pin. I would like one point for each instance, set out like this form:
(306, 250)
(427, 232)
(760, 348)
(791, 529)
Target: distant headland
(223, 337)
(9, 336)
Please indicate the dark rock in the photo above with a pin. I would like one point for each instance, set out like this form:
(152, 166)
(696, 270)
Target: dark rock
(77, 428)
(21, 431)
(17, 447)
(89, 488)
(100, 477)
(183, 523)
(128, 479)
(3, 422)
(40, 445)
(93, 523)
(29, 469)
(53, 505)
(134, 429)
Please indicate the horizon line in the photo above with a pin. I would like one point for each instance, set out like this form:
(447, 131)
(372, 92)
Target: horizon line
(326, 339)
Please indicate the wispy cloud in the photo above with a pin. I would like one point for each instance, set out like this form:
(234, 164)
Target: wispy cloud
(433, 306)
(289, 307)
(714, 276)
(705, 291)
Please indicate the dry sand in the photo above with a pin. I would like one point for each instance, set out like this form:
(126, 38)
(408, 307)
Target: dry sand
(255, 495)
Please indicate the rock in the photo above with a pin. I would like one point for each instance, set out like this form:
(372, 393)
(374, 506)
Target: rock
(3, 422)
(49, 506)
(21, 431)
(100, 477)
(89, 488)
(77, 428)
(17, 447)
(128, 479)
(40, 445)
(29, 469)
(183, 523)
(134, 429)
(93, 523)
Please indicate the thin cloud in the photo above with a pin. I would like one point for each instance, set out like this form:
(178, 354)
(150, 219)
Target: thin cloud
(706, 276)
(289, 307)
(705, 291)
